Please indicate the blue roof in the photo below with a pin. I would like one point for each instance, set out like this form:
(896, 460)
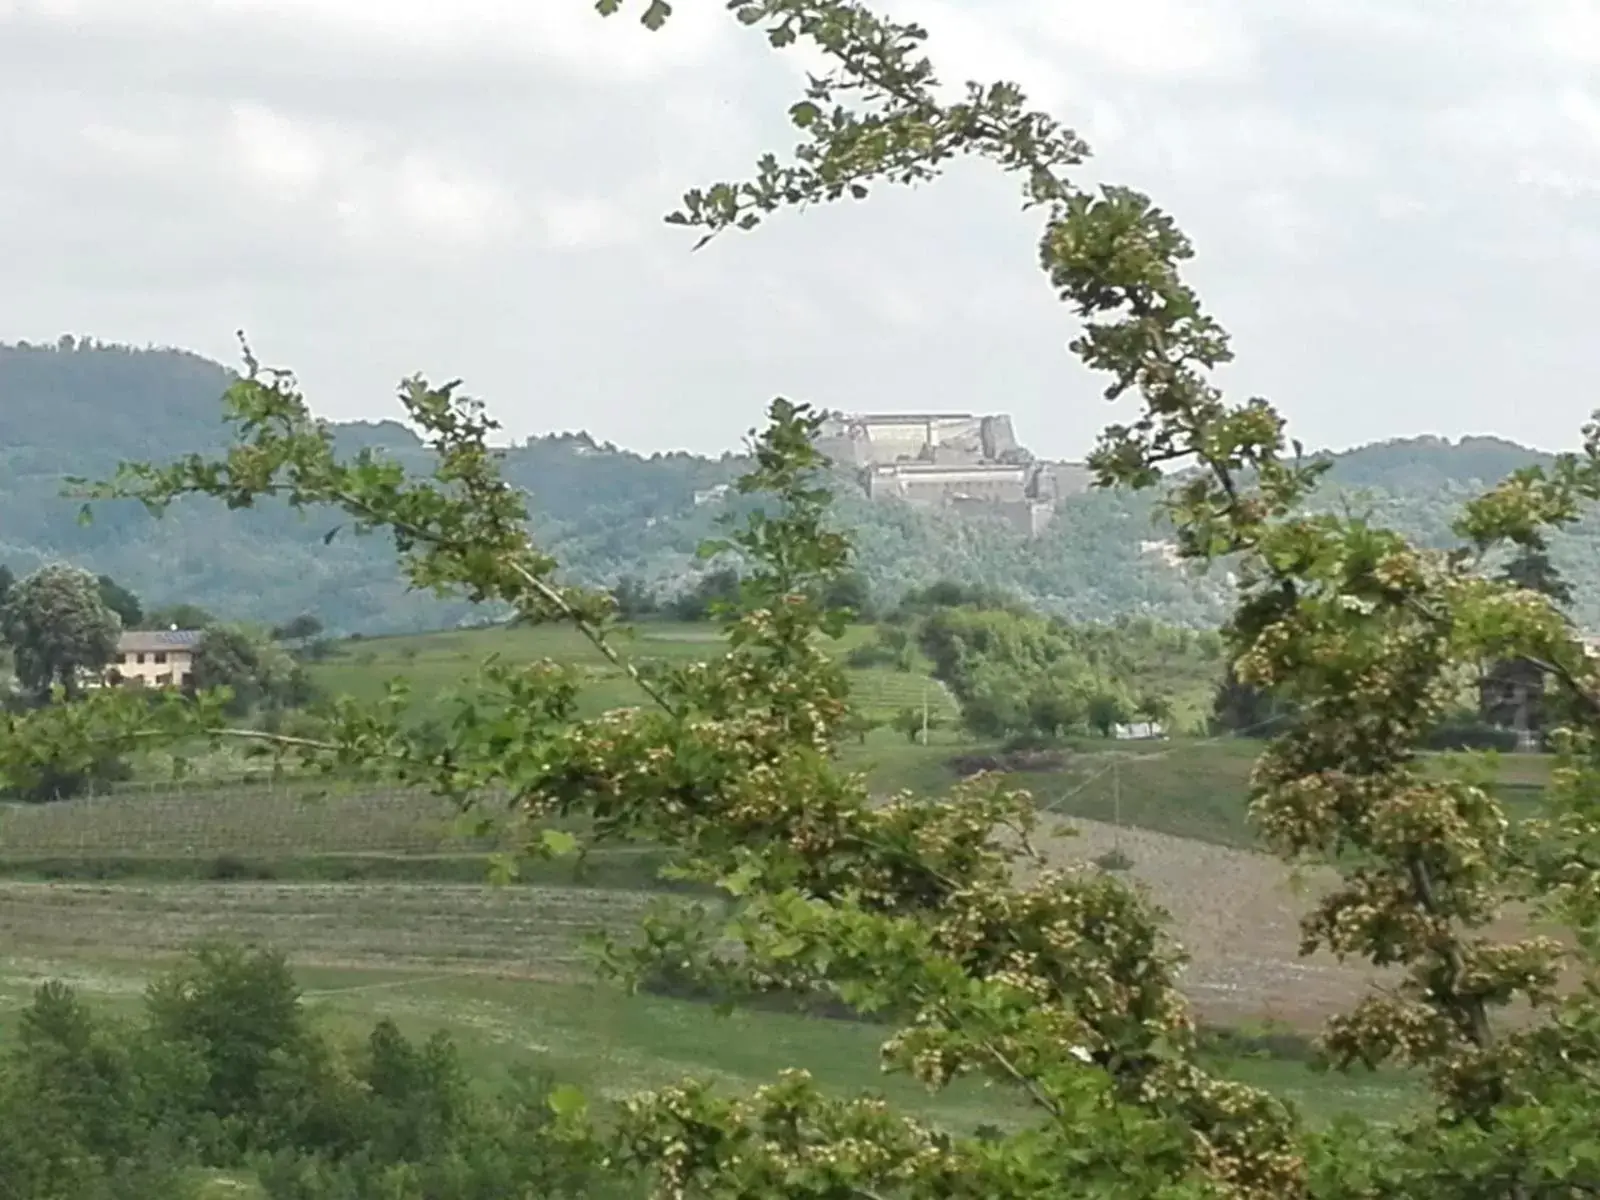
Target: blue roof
(159, 639)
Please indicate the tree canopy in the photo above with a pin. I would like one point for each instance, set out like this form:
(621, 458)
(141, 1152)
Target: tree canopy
(121, 601)
(607, 513)
(59, 629)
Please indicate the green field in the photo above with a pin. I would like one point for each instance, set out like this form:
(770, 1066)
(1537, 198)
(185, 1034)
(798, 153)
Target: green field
(502, 971)
(1189, 787)
(438, 663)
(1184, 787)
(381, 901)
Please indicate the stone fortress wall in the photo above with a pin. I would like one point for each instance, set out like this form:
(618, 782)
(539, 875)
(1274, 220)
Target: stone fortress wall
(951, 460)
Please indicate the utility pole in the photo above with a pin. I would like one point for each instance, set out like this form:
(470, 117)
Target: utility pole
(924, 712)
(1116, 801)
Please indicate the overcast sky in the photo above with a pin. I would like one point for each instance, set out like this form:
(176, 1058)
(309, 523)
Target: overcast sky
(1396, 205)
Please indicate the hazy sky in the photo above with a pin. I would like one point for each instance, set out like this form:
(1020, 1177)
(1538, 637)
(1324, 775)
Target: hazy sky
(1396, 204)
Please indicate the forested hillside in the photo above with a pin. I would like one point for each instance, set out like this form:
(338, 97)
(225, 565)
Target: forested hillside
(78, 408)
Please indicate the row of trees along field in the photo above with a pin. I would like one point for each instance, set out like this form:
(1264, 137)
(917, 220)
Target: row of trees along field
(935, 913)
(1018, 673)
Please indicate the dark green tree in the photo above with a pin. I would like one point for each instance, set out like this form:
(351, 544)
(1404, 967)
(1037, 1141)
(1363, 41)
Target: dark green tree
(850, 592)
(1057, 705)
(714, 590)
(59, 629)
(1530, 568)
(257, 672)
(1247, 709)
(299, 629)
(179, 616)
(1107, 708)
(1512, 693)
(634, 598)
(121, 601)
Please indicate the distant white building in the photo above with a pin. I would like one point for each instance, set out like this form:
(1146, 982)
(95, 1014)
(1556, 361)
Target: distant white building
(711, 495)
(1140, 731)
(1167, 552)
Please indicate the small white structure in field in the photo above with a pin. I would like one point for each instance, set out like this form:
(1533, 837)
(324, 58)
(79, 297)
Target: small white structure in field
(1140, 731)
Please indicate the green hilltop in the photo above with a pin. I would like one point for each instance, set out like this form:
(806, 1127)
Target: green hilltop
(81, 407)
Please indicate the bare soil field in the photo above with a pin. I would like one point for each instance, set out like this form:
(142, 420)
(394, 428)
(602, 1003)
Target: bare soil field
(1236, 913)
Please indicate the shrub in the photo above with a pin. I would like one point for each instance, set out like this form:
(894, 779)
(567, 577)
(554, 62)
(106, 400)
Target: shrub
(226, 1072)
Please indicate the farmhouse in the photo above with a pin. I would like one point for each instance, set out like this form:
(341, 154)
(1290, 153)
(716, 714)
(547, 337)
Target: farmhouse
(1511, 695)
(155, 658)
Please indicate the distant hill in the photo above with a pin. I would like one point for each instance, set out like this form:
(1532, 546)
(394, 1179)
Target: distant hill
(80, 408)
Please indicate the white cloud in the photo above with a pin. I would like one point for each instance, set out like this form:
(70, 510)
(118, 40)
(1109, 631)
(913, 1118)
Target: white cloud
(286, 157)
(1581, 109)
(453, 206)
(585, 222)
(1286, 224)
(969, 44)
(1154, 39)
(142, 150)
(1568, 30)
(475, 188)
(1395, 207)
(568, 32)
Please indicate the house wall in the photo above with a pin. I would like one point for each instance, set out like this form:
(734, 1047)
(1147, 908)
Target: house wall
(156, 668)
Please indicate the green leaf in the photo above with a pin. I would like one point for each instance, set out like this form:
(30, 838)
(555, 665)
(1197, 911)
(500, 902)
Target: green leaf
(804, 114)
(741, 881)
(558, 842)
(784, 948)
(608, 8)
(86, 515)
(656, 15)
(502, 869)
(567, 1101)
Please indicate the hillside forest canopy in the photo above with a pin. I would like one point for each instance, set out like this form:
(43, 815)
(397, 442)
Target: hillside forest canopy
(607, 513)
(936, 916)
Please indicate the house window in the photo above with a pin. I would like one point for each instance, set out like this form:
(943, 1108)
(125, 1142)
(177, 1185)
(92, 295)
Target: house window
(188, 678)
(139, 658)
(161, 657)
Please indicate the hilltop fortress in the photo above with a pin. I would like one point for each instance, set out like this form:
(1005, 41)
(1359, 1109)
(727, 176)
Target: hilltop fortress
(951, 460)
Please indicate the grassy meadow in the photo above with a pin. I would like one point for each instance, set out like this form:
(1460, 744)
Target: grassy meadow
(434, 665)
(503, 972)
(381, 900)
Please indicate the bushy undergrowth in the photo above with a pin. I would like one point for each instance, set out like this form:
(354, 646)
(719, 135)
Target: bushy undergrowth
(224, 1069)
